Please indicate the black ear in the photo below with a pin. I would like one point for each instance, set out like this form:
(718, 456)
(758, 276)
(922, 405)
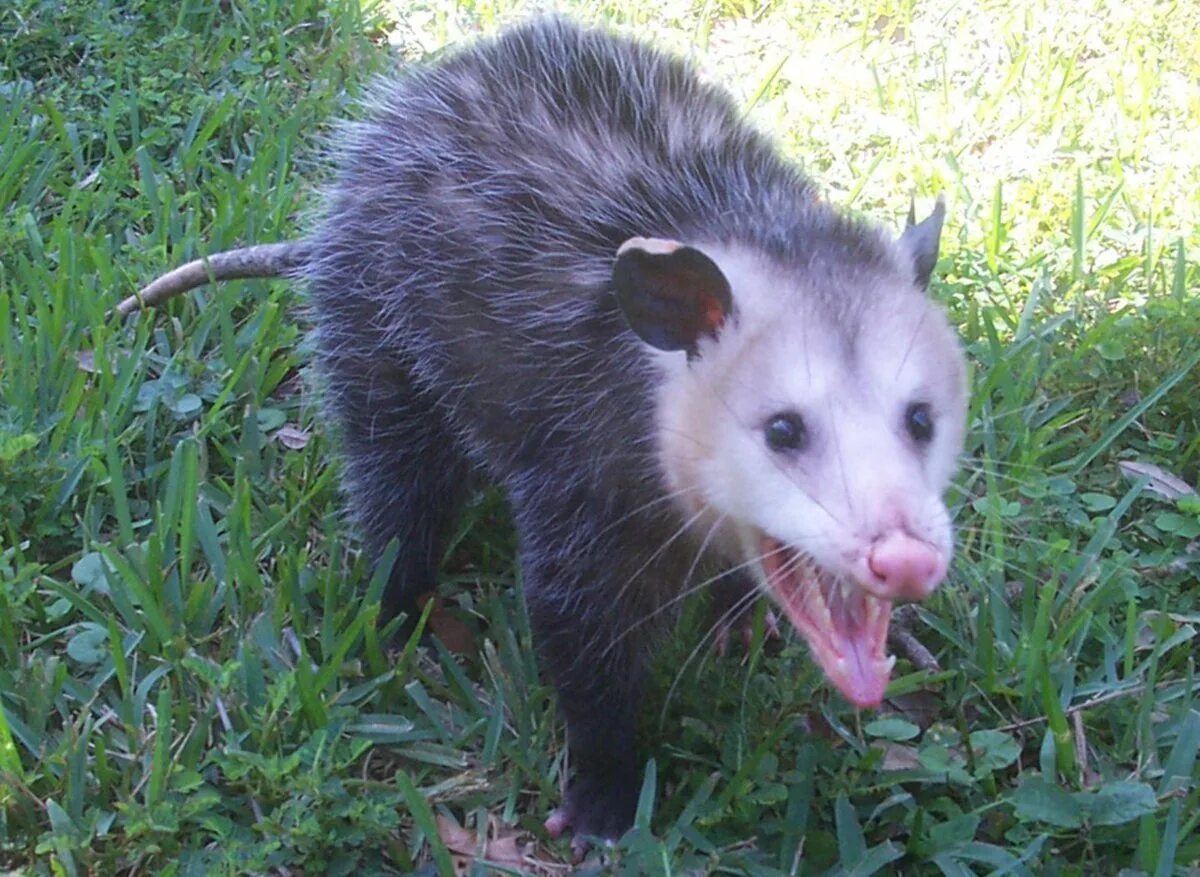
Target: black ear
(920, 240)
(671, 295)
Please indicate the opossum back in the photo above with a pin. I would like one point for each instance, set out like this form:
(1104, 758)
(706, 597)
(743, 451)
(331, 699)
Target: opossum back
(527, 160)
(471, 231)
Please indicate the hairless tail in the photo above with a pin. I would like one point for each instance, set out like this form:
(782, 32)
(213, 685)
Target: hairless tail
(263, 260)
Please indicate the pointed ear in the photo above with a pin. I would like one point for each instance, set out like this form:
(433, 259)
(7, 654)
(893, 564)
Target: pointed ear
(920, 240)
(671, 295)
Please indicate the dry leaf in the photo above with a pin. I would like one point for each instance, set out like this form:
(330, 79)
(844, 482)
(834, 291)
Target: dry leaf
(90, 178)
(503, 847)
(921, 707)
(506, 850)
(86, 360)
(897, 756)
(449, 628)
(455, 838)
(292, 437)
(291, 385)
(458, 841)
(1161, 482)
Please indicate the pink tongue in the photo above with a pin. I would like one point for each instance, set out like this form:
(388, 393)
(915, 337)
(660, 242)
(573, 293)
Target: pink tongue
(863, 674)
(847, 633)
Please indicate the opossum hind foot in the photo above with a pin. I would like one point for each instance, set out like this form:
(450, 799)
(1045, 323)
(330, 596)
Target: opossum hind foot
(593, 809)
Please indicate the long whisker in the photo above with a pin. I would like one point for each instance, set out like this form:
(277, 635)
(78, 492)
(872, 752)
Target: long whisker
(646, 506)
(620, 597)
(733, 611)
(667, 605)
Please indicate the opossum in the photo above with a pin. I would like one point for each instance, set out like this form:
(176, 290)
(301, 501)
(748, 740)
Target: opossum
(560, 260)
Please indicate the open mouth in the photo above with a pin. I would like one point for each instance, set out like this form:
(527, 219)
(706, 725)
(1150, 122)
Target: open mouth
(846, 628)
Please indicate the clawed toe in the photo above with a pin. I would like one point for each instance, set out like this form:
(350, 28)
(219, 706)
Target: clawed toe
(556, 823)
(592, 811)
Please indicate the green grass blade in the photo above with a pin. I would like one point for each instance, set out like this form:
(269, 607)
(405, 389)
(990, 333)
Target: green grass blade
(422, 815)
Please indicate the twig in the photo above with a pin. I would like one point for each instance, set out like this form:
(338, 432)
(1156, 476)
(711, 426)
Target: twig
(1080, 746)
(906, 642)
(1088, 704)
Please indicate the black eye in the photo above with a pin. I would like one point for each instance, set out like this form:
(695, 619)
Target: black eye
(786, 432)
(918, 420)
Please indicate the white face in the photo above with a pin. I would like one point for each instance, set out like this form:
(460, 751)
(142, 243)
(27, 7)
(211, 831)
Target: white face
(821, 444)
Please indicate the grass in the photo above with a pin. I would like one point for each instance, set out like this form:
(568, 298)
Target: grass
(191, 678)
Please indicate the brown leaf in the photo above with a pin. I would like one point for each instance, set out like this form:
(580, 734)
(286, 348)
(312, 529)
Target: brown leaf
(450, 629)
(920, 707)
(455, 838)
(291, 385)
(506, 850)
(503, 847)
(459, 841)
(897, 756)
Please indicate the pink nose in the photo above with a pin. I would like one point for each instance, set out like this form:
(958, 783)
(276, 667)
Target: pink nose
(904, 568)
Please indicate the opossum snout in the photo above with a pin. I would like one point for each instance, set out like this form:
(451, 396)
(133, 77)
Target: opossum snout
(902, 567)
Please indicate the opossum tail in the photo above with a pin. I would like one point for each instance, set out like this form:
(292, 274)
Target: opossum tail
(264, 260)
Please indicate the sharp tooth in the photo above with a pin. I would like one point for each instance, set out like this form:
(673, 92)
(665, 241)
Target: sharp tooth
(809, 596)
(889, 663)
(825, 616)
(879, 610)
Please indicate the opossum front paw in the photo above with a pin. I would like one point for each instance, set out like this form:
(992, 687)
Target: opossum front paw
(593, 809)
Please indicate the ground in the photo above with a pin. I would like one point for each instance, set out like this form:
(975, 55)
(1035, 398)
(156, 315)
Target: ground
(191, 680)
